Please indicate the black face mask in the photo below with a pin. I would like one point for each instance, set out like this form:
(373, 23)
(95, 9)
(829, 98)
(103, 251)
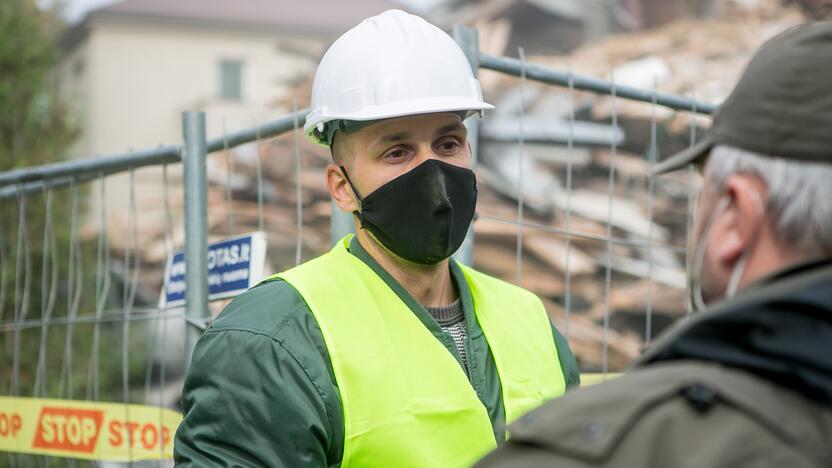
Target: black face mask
(422, 215)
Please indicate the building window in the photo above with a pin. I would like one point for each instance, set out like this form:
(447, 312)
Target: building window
(231, 80)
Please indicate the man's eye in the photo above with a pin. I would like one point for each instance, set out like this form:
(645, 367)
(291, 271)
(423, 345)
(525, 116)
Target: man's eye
(449, 146)
(396, 154)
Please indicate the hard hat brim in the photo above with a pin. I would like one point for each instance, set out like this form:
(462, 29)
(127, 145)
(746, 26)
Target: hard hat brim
(394, 110)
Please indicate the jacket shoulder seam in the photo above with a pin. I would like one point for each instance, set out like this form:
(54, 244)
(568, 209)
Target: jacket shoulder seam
(318, 388)
(281, 324)
(271, 332)
(315, 383)
(274, 335)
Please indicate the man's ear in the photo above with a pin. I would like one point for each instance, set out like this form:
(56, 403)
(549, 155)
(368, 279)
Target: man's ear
(743, 220)
(340, 189)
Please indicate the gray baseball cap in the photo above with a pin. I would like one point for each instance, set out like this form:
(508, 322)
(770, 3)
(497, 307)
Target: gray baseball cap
(782, 105)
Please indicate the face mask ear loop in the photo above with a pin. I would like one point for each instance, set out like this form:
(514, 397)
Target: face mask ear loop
(355, 191)
(694, 277)
(736, 275)
(739, 269)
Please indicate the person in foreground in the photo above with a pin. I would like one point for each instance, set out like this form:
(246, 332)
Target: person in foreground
(747, 382)
(384, 351)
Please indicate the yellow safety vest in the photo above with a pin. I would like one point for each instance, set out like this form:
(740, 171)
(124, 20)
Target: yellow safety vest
(405, 398)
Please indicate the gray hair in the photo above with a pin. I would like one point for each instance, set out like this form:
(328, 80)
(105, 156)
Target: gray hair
(799, 195)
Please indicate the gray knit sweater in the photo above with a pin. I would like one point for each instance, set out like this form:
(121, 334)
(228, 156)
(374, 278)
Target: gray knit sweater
(452, 321)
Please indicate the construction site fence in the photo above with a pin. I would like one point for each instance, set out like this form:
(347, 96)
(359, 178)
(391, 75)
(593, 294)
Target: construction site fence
(54, 358)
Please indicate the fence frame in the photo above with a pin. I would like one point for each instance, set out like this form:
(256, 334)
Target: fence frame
(468, 40)
(193, 151)
(196, 226)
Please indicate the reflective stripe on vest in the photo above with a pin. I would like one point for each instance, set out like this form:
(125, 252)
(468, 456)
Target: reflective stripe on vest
(405, 398)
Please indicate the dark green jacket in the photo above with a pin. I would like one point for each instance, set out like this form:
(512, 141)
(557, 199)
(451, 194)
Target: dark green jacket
(261, 392)
(747, 384)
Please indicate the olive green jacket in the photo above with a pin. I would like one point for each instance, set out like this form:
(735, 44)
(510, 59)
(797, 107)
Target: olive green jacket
(747, 384)
(261, 391)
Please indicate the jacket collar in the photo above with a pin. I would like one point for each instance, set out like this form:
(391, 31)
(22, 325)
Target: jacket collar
(473, 328)
(780, 329)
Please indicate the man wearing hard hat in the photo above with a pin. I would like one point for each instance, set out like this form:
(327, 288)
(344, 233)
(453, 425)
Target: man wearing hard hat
(384, 351)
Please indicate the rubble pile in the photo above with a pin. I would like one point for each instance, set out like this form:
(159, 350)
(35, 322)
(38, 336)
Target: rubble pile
(582, 182)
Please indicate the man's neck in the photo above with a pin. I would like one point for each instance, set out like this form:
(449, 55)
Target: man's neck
(430, 285)
(771, 257)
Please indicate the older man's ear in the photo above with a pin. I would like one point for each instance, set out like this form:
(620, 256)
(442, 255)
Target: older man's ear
(742, 222)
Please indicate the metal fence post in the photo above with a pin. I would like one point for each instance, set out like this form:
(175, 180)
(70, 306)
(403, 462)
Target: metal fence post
(468, 40)
(196, 227)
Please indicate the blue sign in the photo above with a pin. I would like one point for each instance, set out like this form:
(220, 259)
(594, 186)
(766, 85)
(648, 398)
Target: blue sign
(234, 265)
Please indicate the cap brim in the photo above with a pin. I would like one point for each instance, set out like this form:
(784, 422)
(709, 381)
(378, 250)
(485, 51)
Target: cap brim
(680, 160)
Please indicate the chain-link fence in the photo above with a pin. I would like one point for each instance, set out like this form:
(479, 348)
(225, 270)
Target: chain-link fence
(567, 210)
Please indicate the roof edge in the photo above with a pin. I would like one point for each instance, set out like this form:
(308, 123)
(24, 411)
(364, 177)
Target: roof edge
(77, 33)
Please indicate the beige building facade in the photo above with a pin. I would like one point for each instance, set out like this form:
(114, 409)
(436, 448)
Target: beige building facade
(130, 69)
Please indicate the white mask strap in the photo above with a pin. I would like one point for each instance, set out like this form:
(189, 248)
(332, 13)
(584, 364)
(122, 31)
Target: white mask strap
(694, 276)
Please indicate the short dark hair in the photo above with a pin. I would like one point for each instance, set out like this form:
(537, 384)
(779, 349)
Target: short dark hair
(341, 150)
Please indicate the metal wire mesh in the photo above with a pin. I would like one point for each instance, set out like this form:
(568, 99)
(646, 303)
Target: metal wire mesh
(103, 352)
(89, 332)
(632, 297)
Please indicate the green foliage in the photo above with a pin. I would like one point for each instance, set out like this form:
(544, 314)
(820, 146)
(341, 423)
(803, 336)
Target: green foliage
(36, 128)
(33, 129)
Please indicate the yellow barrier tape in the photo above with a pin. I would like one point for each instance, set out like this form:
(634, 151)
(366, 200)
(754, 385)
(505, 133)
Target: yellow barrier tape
(596, 378)
(87, 430)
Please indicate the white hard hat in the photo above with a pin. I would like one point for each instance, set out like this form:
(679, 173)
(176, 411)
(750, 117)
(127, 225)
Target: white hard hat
(390, 65)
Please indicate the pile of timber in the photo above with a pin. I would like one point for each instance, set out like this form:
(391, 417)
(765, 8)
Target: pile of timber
(575, 199)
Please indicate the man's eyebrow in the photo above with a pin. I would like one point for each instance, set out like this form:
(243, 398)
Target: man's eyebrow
(401, 136)
(392, 138)
(450, 128)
